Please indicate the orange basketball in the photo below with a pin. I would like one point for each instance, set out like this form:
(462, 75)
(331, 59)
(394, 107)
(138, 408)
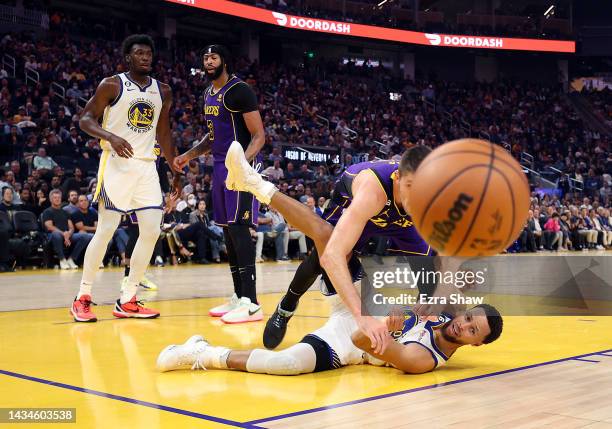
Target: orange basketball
(469, 197)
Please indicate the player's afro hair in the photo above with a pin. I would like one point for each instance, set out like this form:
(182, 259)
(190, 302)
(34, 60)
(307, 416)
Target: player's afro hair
(137, 39)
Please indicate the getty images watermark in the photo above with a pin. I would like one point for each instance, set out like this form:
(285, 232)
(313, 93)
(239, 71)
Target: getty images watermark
(517, 285)
(403, 278)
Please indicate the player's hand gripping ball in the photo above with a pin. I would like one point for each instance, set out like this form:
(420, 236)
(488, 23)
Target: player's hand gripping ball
(469, 197)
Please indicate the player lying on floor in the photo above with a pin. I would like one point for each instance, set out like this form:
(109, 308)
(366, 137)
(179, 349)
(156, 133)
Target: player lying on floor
(420, 345)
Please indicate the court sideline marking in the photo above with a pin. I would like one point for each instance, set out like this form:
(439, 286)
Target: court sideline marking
(253, 424)
(132, 400)
(418, 389)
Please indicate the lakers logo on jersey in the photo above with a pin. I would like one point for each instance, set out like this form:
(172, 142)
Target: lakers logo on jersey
(140, 115)
(246, 215)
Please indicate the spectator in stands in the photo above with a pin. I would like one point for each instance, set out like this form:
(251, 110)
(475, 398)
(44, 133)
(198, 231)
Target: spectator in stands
(215, 235)
(535, 228)
(604, 220)
(601, 234)
(294, 234)
(591, 235)
(61, 233)
(527, 238)
(552, 231)
(7, 200)
(321, 202)
(42, 163)
(42, 201)
(566, 241)
(27, 201)
(73, 200)
(305, 173)
(290, 172)
(5, 249)
(271, 225)
(85, 218)
(75, 183)
(274, 172)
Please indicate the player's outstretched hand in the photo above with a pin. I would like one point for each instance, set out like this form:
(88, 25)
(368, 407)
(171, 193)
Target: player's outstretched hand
(121, 147)
(179, 163)
(376, 331)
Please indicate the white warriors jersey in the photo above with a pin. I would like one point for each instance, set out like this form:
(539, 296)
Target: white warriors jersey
(133, 115)
(421, 330)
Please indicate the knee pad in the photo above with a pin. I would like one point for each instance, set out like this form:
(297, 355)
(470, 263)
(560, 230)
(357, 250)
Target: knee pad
(283, 364)
(297, 359)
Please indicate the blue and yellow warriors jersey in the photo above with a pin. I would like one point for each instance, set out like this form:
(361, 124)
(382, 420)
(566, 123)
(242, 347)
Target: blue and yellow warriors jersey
(133, 116)
(420, 330)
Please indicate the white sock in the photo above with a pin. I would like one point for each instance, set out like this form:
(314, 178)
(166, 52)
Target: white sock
(128, 292)
(84, 289)
(214, 357)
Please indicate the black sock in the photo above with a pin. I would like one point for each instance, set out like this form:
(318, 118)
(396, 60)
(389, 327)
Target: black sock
(233, 262)
(127, 271)
(304, 277)
(245, 258)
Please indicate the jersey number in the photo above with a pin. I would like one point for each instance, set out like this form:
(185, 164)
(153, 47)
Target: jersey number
(211, 130)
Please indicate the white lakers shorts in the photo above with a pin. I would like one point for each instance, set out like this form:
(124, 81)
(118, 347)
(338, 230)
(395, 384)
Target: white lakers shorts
(128, 184)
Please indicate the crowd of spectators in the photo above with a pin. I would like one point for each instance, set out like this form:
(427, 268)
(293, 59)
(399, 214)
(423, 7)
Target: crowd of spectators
(566, 224)
(342, 106)
(601, 101)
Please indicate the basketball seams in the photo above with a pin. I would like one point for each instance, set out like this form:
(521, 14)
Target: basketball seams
(446, 185)
(463, 152)
(482, 195)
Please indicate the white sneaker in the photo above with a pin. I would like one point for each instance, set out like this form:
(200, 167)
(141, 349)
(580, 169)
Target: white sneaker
(181, 356)
(64, 264)
(220, 310)
(242, 177)
(71, 264)
(246, 311)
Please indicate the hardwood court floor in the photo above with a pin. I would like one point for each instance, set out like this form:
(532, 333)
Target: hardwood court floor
(106, 370)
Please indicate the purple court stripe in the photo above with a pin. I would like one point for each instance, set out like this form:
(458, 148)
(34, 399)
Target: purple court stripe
(586, 360)
(418, 389)
(603, 354)
(130, 400)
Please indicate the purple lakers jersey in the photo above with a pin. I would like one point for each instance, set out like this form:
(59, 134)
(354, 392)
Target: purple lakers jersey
(221, 122)
(391, 222)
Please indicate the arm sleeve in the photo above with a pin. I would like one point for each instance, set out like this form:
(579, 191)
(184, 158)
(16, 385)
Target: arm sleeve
(240, 98)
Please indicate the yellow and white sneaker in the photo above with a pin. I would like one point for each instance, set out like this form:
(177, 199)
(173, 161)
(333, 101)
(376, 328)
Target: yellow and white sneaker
(147, 284)
(246, 311)
(222, 309)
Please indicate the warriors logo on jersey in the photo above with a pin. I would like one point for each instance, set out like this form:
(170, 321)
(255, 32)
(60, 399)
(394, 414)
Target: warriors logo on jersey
(140, 115)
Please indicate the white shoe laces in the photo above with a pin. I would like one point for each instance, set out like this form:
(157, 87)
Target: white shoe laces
(198, 364)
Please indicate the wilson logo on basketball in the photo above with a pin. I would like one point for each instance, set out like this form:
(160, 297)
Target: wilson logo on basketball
(442, 231)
